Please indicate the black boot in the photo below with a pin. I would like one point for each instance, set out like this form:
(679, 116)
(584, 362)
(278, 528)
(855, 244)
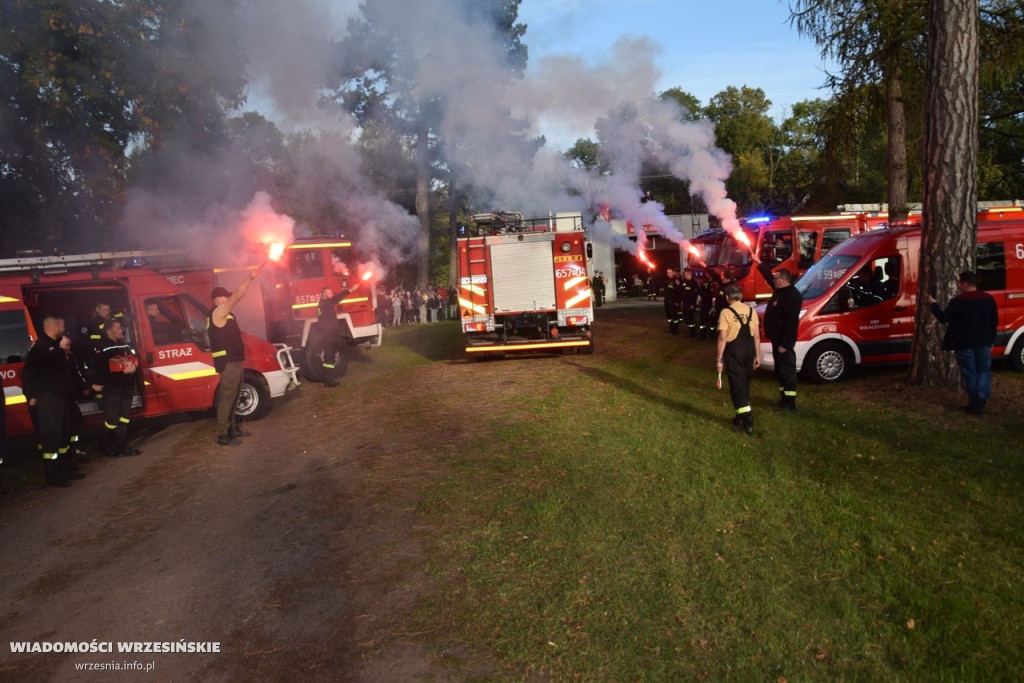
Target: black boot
(748, 422)
(54, 477)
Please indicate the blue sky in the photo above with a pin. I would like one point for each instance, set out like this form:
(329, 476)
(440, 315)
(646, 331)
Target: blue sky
(705, 45)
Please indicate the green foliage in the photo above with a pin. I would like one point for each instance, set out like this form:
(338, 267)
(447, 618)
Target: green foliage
(86, 82)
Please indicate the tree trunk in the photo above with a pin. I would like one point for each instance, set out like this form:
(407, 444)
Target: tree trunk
(896, 116)
(423, 208)
(950, 216)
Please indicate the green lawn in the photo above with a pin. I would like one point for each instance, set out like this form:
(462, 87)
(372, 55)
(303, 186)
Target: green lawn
(608, 525)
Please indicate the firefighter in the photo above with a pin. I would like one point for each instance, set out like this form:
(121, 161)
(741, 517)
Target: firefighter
(228, 356)
(94, 330)
(707, 300)
(673, 311)
(690, 291)
(329, 328)
(781, 318)
(737, 354)
(48, 385)
(113, 370)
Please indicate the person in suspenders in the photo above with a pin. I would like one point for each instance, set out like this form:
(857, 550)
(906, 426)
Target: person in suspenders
(737, 354)
(228, 355)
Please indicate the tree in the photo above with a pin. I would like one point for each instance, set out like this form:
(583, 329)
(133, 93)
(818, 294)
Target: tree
(867, 38)
(950, 227)
(379, 79)
(744, 130)
(84, 83)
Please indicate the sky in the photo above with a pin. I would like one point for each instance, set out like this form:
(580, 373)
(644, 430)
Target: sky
(701, 46)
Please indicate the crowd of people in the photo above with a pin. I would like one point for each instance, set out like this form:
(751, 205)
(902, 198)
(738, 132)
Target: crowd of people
(429, 304)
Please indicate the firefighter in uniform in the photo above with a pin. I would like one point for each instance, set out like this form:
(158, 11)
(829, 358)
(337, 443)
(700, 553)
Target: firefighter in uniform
(329, 327)
(781, 317)
(113, 375)
(737, 354)
(717, 284)
(228, 356)
(94, 330)
(707, 300)
(48, 384)
(690, 289)
(672, 301)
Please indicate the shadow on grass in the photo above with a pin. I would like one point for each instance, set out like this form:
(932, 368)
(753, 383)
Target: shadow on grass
(641, 391)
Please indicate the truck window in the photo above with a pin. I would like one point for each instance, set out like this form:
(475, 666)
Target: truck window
(776, 247)
(307, 264)
(991, 263)
(14, 337)
(808, 242)
(823, 274)
(830, 238)
(196, 316)
(167, 321)
(876, 282)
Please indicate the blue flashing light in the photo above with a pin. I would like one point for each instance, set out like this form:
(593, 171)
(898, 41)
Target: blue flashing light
(760, 219)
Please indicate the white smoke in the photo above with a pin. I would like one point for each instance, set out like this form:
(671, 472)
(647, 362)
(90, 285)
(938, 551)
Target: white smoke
(485, 117)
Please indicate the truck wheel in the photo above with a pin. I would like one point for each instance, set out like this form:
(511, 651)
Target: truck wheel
(253, 397)
(589, 348)
(1017, 356)
(828, 362)
(313, 361)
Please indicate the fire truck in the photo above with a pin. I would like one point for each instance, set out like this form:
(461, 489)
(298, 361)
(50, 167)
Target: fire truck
(166, 326)
(860, 300)
(792, 242)
(283, 309)
(524, 284)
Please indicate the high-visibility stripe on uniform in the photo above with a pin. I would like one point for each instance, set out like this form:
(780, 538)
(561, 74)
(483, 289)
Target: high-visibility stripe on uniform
(217, 354)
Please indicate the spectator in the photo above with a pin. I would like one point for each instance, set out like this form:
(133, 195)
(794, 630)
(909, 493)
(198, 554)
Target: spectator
(972, 320)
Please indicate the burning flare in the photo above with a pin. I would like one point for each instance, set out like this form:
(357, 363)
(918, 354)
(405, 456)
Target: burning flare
(276, 251)
(367, 275)
(642, 257)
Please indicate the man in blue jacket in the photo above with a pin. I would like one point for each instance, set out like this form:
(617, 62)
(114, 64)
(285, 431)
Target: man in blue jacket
(972, 319)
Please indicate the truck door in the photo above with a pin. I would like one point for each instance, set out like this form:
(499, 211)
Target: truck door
(178, 366)
(16, 337)
(871, 314)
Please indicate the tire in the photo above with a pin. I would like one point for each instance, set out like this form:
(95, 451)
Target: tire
(253, 397)
(589, 348)
(827, 363)
(1017, 355)
(312, 362)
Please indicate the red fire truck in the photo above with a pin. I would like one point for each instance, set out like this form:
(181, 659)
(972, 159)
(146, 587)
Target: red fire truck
(793, 242)
(283, 309)
(524, 284)
(859, 301)
(166, 325)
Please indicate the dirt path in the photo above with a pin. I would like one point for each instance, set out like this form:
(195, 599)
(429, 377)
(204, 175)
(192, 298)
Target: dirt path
(297, 552)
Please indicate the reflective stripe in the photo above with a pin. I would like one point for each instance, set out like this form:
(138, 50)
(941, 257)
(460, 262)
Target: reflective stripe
(217, 354)
(108, 425)
(49, 456)
(789, 393)
(744, 409)
(125, 420)
(329, 365)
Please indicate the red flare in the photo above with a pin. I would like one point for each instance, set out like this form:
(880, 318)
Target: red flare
(367, 275)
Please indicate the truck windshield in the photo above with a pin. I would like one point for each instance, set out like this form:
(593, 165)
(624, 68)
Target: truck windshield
(823, 274)
(735, 252)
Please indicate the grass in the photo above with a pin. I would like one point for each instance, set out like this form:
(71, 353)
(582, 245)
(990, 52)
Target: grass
(608, 525)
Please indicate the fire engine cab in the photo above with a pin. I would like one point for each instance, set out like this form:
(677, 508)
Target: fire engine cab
(283, 308)
(791, 242)
(860, 300)
(524, 284)
(166, 326)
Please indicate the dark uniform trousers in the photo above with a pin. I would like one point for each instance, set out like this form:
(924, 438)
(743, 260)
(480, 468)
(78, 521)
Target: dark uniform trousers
(785, 371)
(227, 398)
(116, 404)
(738, 358)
